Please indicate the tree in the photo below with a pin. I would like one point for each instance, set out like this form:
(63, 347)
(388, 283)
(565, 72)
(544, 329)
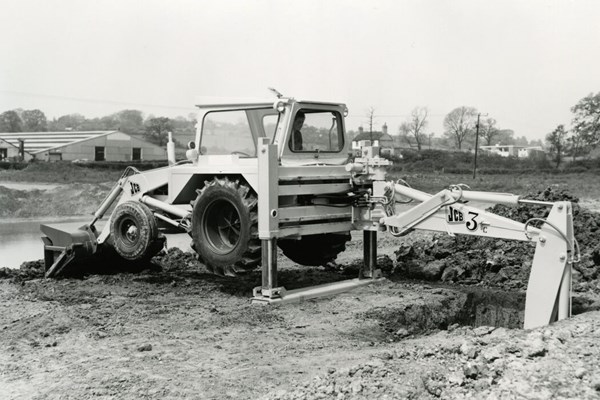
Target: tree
(184, 126)
(488, 130)
(459, 123)
(578, 146)
(414, 128)
(130, 121)
(109, 122)
(586, 122)
(521, 141)
(505, 136)
(536, 142)
(557, 143)
(70, 122)
(157, 129)
(10, 122)
(34, 121)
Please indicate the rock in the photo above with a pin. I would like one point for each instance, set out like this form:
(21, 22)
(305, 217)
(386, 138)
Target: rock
(456, 379)
(356, 387)
(537, 348)
(402, 333)
(433, 270)
(580, 373)
(145, 347)
(481, 385)
(472, 370)
(491, 354)
(434, 384)
(404, 251)
(596, 384)
(499, 333)
(469, 350)
(453, 326)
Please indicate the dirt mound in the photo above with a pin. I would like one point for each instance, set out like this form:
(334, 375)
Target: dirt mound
(164, 266)
(27, 271)
(502, 263)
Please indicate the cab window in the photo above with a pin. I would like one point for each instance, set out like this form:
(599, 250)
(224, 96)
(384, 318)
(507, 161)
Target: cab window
(227, 132)
(316, 131)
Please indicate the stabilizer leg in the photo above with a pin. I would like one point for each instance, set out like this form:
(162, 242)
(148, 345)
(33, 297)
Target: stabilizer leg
(549, 286)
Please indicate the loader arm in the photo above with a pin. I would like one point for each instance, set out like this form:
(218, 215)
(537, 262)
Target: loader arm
(548, 290)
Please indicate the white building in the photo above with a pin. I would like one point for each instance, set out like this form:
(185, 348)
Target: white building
(511, 150)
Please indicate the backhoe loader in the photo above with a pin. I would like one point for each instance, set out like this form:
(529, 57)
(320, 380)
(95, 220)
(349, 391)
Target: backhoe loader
(282, 173)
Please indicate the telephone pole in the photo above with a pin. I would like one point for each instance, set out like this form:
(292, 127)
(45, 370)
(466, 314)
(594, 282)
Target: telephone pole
(476, 145)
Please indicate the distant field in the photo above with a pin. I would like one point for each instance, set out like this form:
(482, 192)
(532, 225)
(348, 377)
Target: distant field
(582, 185)
(83, 188)
(59, 173)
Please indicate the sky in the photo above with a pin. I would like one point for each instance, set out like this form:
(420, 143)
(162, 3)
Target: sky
(524, 63)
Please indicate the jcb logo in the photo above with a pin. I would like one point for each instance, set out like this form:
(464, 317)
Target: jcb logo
(454, 216)
(135, 188)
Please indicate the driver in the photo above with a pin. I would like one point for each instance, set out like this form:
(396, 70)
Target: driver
(295, 142)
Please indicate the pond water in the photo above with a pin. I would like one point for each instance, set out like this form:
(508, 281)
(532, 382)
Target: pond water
(30, 185)
(21, 240)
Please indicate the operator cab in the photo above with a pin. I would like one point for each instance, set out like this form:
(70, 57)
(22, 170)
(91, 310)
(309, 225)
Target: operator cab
(307, 133)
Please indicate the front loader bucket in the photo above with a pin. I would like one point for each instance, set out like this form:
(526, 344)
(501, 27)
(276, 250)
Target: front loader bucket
(63, 247)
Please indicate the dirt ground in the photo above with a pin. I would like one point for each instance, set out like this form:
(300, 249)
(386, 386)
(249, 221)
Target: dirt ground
(176, 332)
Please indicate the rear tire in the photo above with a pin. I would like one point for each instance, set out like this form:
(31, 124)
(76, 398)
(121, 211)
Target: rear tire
(314, 250)
(135, 235)
(225, 227)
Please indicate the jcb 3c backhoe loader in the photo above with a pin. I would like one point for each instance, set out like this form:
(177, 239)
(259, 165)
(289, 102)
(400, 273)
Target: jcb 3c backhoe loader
(268, 174)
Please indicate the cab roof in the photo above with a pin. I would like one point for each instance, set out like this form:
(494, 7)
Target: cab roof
(241, 103)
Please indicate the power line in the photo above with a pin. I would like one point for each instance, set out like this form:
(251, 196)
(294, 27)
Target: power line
(88, 100)
(115, 102)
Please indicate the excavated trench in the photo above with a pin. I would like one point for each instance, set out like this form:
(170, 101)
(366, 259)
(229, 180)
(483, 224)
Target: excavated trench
(424, 308)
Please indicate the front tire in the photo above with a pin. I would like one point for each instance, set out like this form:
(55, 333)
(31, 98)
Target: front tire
(135, 235)
(225, 227)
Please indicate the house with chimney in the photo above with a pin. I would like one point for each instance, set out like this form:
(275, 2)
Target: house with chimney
(386, 142)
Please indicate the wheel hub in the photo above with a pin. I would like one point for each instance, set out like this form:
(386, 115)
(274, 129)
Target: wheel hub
(132, 233)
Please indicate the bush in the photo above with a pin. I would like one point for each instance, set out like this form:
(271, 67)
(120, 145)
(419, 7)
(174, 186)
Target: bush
(13, 165)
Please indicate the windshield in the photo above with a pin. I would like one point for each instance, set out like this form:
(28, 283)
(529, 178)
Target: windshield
(227, 132)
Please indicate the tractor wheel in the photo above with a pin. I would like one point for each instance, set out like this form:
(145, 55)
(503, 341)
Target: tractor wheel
(225, 227)
(314, 250)
(134, 232)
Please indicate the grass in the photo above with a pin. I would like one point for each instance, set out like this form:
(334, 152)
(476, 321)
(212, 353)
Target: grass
(60, 173)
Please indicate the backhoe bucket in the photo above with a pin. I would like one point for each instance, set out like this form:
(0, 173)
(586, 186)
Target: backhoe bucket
(63, 247)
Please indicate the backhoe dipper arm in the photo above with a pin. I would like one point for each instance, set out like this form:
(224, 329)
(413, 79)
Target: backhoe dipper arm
(548, 291)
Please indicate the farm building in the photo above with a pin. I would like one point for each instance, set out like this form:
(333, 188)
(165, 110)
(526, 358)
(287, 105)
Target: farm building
(10, 152)
(90, 146)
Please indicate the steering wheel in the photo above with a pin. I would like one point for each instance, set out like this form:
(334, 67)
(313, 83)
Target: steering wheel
(241, 153)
